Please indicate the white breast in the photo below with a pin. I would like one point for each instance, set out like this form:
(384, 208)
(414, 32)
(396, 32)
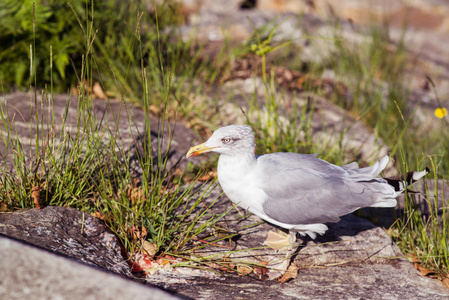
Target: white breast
(240, 182)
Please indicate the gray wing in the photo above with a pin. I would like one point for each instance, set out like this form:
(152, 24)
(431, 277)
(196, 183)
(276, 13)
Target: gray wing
(302, 189)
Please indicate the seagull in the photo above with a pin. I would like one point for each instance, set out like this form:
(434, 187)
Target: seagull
(297, 192)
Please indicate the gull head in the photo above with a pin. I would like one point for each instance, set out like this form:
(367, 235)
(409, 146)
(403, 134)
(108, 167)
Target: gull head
(228, 140)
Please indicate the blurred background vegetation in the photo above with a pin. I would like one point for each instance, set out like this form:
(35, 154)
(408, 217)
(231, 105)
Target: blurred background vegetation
(121, 49)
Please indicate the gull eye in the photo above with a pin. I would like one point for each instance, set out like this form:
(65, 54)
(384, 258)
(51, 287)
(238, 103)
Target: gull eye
(225, 140)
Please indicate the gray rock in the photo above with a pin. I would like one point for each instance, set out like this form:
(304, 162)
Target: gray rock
(31, 273)
(357, 281)
(111, 117)
(69, 232)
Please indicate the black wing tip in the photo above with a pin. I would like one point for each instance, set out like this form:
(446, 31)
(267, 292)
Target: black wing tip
(400, 183)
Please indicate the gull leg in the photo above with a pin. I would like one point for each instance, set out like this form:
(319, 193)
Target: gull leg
(278, 268)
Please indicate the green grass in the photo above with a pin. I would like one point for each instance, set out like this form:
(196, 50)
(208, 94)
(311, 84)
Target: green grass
(376, 72)
(124, 40)
(423, 235)
(134, 60)
(88, 166)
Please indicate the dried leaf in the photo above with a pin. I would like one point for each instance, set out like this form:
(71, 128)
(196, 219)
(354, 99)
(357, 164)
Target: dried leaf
(261, 271)
(149, 248)
(416, 266)
(244, 269)
(425, 271)
(277, 240)
(136, 194)
(100, 216)
(218, 267)
(412, 258)
(137, 232)
(291, 273)
(445, 282)
(36, 195)
(153, 109)
(208, 176)
(98, 91)
(165, 260)
(178, 172)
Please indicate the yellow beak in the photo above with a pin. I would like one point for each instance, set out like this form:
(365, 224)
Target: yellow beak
(198, 149)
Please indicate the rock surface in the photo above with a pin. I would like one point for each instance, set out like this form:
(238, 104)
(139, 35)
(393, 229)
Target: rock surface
(110, 115)
(358, 281)
(69, 232)
(32, 273)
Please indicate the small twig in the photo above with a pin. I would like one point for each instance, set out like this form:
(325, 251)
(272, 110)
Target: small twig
(212, 244)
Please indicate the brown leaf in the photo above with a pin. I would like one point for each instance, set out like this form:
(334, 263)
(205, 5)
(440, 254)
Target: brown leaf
(208, 176)
(137, 194)
(299, 83)
(100, 216)
(153, 109)
(244, 269)
(291, 273)
(36, 195)
(412, 258)
(225, 265)
(445, 282)
(425, 271)
(98, 91)
(165, 260)
(220, 267)
(137, 232)
(134, 193)
(178, 172)
(261, 271)
(416, 265)
(149, 248)
(136, 182)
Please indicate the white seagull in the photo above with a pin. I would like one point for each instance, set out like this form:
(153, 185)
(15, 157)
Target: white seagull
(298, 192)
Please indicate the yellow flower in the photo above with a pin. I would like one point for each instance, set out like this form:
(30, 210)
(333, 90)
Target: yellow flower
(440, 112)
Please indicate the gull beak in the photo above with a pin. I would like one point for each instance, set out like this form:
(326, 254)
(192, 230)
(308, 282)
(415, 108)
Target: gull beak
(202, 148)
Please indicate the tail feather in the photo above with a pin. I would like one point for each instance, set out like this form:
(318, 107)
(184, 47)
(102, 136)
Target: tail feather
(310, 229)
(373, 170)
(400, 183)
(351, 166)
(385, 202)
